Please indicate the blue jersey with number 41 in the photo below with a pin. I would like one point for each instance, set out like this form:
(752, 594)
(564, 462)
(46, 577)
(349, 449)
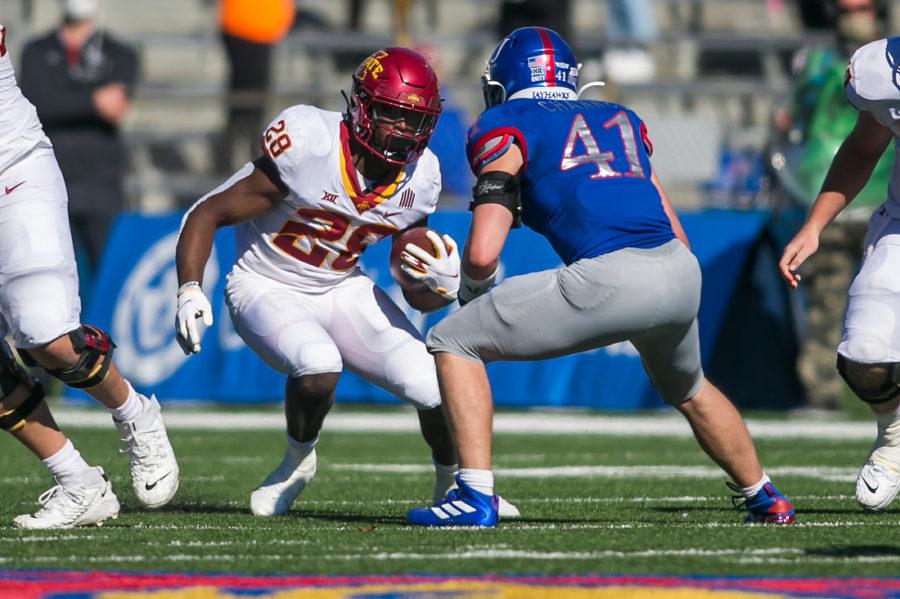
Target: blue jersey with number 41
(586, 179)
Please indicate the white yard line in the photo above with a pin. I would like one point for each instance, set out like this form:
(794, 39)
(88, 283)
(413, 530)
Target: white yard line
(657, 472)
(537, 422)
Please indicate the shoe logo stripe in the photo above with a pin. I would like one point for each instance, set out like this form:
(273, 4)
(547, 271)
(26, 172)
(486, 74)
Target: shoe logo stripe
(439, 513)
(464, 506)
(450, 509)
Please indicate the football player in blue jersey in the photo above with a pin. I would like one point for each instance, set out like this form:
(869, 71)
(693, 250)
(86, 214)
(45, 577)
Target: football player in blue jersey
(578, 172)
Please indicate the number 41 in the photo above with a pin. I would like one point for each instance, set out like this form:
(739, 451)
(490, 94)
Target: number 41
(593, 155)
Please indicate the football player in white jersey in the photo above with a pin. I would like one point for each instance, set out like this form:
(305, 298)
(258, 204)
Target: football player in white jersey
(40, 315)
(328, 185)
(868, 357)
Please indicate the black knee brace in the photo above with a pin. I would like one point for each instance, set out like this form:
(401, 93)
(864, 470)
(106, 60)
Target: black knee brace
(882, 389)
(91, 344)
(11, 376)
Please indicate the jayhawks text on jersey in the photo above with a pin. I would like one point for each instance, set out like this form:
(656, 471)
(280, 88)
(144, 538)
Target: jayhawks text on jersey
(586, 181)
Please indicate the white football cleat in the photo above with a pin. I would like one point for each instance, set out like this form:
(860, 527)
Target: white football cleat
(74, 505)
(877, 484)
(879, 477)
(276, 494)
(154, 471)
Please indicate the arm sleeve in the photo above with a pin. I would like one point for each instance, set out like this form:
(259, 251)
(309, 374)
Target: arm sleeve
(265, 165)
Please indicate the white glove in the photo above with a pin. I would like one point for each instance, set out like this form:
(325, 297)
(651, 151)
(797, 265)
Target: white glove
(441, 273)
(192, 305)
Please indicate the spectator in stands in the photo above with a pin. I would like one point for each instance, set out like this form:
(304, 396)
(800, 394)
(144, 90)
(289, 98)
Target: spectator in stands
(552, 14)
(630, 30)
(250, 31)
(81, 79)
(814, 123)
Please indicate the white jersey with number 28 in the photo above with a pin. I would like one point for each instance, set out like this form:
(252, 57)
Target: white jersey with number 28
(312, 238)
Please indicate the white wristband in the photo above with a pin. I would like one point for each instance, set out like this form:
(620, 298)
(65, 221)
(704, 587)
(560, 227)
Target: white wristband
(188, 285)
(470, 288)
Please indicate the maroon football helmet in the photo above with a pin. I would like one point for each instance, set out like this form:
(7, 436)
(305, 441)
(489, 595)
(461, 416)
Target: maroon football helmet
(395, 91)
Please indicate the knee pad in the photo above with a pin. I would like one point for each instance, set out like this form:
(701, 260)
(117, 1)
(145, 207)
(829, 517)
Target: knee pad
(11, 376)
(94, 349)
(873, 383)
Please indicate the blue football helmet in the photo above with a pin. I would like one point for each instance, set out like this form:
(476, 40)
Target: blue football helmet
(531, 62)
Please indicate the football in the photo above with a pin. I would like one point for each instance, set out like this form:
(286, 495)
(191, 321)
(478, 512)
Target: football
(416, 236)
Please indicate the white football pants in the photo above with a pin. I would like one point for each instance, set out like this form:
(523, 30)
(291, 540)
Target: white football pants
(38, 277)
(872, 325)
(353, 324)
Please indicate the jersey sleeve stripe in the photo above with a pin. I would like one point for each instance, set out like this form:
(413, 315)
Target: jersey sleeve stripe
(267, 167)
(492, 150)
(477, 147)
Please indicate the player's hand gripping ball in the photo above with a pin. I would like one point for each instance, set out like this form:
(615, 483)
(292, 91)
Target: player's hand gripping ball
(421, 259)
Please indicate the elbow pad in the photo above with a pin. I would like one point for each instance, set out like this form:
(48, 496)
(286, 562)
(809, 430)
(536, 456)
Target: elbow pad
(498, 187)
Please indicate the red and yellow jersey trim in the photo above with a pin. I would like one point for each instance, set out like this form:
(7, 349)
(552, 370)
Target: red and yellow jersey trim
(362, 201)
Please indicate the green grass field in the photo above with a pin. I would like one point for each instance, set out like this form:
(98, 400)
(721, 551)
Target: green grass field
(644, 505)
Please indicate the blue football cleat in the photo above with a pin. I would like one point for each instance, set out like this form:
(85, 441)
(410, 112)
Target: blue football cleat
(768, 506)
(463, 506)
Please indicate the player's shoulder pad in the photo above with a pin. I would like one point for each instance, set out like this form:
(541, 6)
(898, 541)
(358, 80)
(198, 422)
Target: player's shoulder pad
(430, 168)
(872, 74)
(492, 134)
(306, 126)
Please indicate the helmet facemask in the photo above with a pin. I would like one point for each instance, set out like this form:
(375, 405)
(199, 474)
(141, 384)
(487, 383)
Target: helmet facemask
(393, 131)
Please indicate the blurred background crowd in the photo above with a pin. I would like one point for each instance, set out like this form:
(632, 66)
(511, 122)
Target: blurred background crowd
(151, 104)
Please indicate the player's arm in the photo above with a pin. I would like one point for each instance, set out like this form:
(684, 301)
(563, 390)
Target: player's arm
(495, 209)
(850, 170)
(244, 198)
(670, 213)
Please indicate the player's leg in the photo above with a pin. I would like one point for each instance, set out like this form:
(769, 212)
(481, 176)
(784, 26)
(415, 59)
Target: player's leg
(39, 298)
(378, 343)
(82, 494)
(281, 325)
(527, 317)
(869, 357)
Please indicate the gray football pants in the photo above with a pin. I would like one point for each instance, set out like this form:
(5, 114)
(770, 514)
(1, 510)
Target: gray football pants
(647, 296)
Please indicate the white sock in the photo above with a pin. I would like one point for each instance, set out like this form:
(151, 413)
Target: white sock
(888, 441)
(480, 480)
(66, 465)
(753, 489)
(298, 450)
(444, 478)
(129, 410)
